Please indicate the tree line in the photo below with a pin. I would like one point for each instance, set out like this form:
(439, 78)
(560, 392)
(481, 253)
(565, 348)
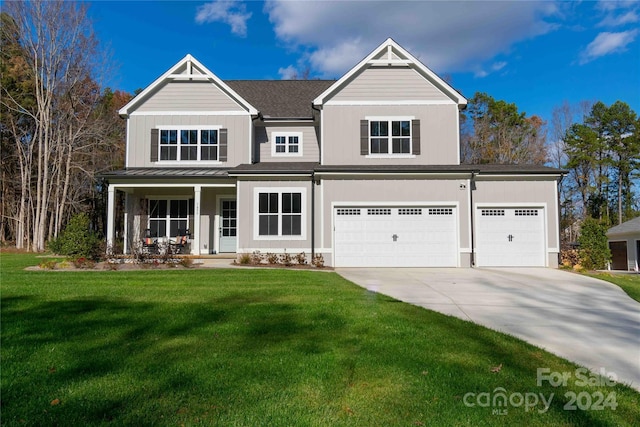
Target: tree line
(59, 127)
(597, 145)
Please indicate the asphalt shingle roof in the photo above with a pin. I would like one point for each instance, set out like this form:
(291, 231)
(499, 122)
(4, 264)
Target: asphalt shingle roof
(281, 98)
(631, 226)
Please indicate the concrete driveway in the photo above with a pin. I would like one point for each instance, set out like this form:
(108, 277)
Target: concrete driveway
(591, 322)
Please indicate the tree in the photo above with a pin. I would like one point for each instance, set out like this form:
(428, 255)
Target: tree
(59, 128)
(499, 133)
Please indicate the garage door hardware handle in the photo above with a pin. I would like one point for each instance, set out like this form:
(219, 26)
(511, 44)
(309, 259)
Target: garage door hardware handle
(510, 237)
(395, 237)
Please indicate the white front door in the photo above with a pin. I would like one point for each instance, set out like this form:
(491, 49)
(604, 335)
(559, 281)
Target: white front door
(395, 237)
(228, 224)
(510, 237)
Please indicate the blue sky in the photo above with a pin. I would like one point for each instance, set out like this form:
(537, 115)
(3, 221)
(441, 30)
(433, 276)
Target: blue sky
(535, 54)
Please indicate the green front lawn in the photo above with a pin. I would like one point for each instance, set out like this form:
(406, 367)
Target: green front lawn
(263, 347)
(630, 283)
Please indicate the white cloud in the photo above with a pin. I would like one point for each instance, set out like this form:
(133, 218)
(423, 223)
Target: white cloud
(288, 73)
(496, 66)
(446, 36)
(607, 43)
(231, 12)
(612, 20)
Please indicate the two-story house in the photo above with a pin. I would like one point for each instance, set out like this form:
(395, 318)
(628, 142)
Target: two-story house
(364, 170)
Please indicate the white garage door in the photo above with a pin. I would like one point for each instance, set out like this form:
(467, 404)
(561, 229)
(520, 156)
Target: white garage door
(395, 237)
(510, 237)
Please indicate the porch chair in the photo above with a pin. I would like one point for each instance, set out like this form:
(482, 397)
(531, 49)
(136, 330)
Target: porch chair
(149, 244)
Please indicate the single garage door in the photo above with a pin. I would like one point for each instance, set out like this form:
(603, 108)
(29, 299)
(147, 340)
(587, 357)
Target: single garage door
(510, 237)
(395, 237)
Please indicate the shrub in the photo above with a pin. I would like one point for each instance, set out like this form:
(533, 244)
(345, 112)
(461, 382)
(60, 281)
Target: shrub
(594, 249)
(301, 258)
(186, 262)
(48, 265)
(256, 258)
(285, 259)
(318, 261)
(244, 259)
(83, 262)
(77, 240)
(272, 258)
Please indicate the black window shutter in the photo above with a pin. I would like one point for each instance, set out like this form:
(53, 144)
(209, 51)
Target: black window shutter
(223, 145)
(154, 144)
(364, 137)
(415, 136)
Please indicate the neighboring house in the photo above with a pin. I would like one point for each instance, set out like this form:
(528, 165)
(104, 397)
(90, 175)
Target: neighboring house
(364, 170)
(624, 242)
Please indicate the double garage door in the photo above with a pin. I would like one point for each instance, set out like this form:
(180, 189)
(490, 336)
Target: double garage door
(414, 236)
(410, 236)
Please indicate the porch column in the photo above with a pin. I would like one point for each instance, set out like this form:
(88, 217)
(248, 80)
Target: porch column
(195, 243)
(125, 248)
(111, 212)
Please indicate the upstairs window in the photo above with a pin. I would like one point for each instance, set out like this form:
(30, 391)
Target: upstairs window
(389, 137)
(286, 144)
(188, 144)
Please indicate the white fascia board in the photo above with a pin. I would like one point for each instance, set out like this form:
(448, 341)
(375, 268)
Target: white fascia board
(394, 175)
(487, 176)
(123, 185)
(411, 61)
(207, 74)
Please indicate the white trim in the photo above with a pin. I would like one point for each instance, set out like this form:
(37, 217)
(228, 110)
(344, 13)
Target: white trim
(390, 156)
(238, 216)
(303, 214)
(189, 162)
(190, 113)
(168, 196)
(390, 118)
(251, 142)
(272, 175)
(198, 145)
(111, 199)
(128, 144)
(286, 135)
(387, 102)
(488, 176)
(465, 250)
(127, 206)
(414, 63)
(197, 200)
(446, 175)
(556, 203)
(189, 61)
(458, 136)
(167, 185)
(550, 250)
(322, 137)
(322, 208)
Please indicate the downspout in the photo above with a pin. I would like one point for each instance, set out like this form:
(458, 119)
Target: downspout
(472, 187)
(313, 216)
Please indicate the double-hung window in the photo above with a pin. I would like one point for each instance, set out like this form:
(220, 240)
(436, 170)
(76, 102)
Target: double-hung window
(188, 144)
(390, 136)
(286, 144)
(280, 213)
(169, 218)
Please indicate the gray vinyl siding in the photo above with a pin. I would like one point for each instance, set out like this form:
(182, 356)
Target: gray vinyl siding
(238, 129)
(248, 214)
(310, 146)
(389, 84)
(633, 257)
(523, 192)
(438, 134)
(189, 96)
(379, 191)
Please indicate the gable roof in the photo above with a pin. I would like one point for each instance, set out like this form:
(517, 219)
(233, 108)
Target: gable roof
(188, 68)
(631, 226)
(391, 53)
(281, 98)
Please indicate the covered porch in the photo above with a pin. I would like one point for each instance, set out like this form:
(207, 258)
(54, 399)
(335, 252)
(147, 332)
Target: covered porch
(197, 217)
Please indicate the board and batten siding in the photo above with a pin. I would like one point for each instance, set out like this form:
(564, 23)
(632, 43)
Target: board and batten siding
(238, 135)
(503, 192)
(438, 134)
(310, 147)
(400, 192)
(389, 84)
(189, 96)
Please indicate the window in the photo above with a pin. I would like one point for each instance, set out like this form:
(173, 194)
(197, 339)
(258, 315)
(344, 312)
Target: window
(169, 218)
(286, 143)
(190, 144)
(280, 213)
(390, 136)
